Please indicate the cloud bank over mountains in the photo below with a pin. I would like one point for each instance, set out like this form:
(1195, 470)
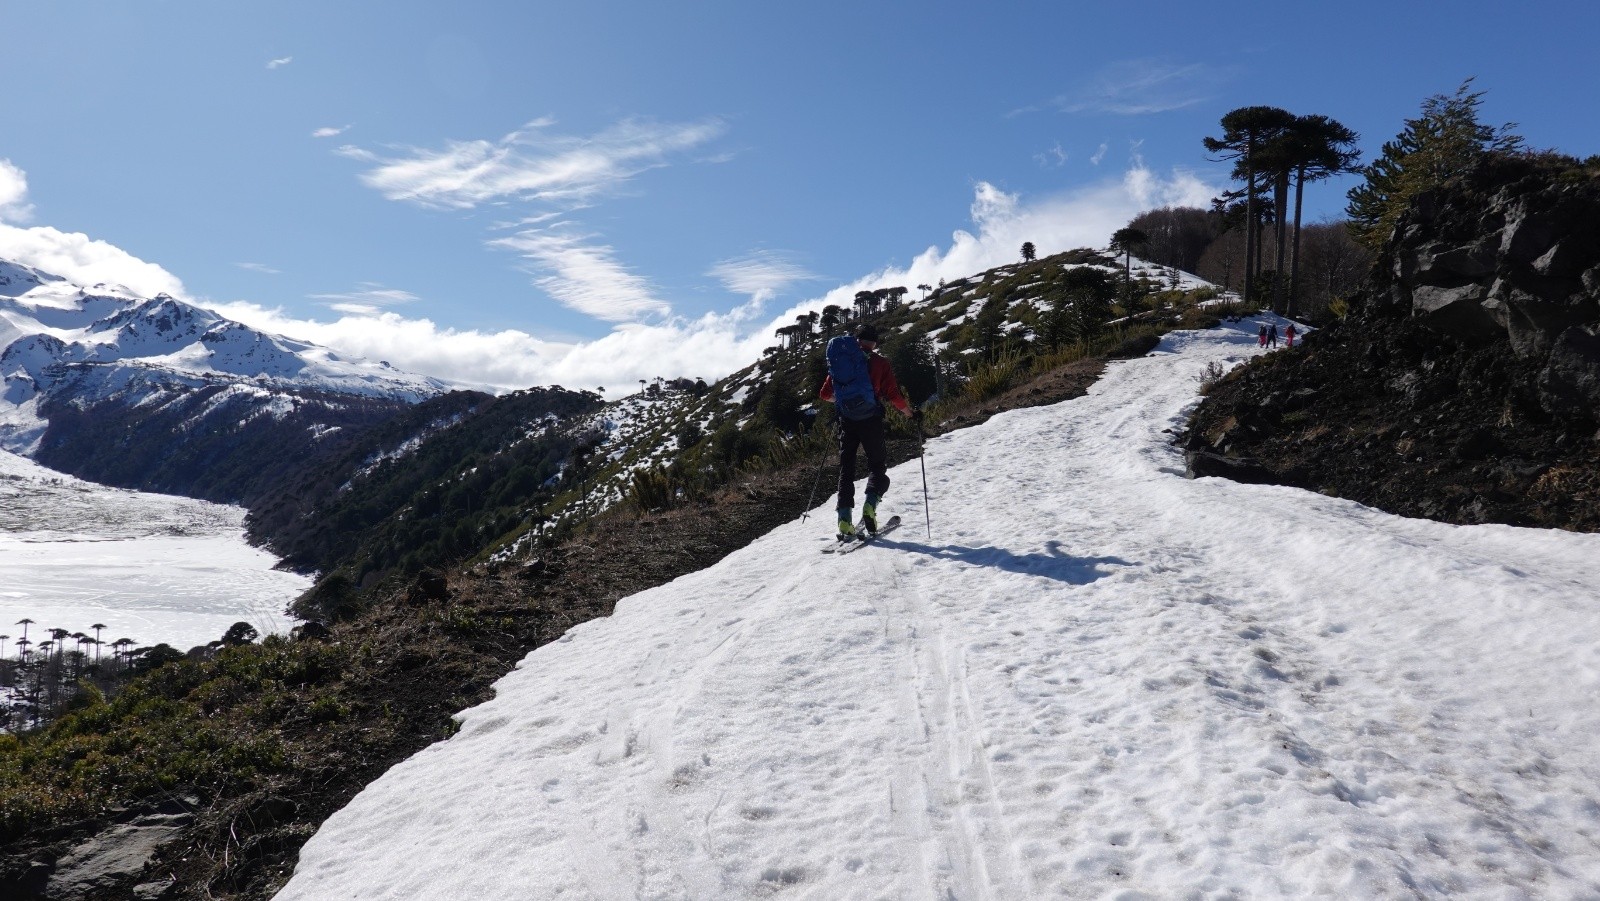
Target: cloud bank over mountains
(709, 346)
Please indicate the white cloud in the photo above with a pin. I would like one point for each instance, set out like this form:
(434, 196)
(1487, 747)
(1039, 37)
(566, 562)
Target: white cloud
(529, 164)
(719, 343)
(330, 132)
(1054, 158)
(14, 205)
(559, 175)
(1140, 87)
(355, 309)
(1099, 154)
(84, 261)
(262, 268)
(368, 296)
(761, 275)
(585, 275)
(280, 62)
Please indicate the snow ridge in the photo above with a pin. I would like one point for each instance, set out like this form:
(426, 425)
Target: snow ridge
(1097, 679)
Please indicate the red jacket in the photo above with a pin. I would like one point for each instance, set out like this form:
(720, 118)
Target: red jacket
(883, 385)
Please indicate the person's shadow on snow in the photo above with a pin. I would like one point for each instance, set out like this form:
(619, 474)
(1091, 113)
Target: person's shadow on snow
(1052, 564)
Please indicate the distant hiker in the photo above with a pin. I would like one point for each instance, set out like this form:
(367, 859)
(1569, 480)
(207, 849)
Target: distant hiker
(1261, 336)
(1272, 335)
(1288, 335)
(858, 383)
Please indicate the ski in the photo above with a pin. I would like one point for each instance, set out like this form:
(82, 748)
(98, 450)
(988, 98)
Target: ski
(866, 538)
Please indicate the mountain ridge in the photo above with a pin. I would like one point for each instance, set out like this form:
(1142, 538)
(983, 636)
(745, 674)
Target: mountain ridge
(53, 331)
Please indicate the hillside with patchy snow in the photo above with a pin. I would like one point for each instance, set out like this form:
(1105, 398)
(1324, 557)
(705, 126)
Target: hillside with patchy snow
(1096, 679)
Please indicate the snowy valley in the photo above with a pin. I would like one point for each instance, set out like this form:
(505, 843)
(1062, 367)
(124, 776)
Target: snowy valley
(148, 567)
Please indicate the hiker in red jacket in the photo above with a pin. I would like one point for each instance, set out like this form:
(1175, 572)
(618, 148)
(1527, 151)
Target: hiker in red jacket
(867, 434)
(1288, 335)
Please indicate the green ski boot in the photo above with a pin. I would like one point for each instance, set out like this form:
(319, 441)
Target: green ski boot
(869, 514)
(847, 531)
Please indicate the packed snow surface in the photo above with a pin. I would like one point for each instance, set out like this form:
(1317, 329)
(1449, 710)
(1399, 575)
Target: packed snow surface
(1097, 679)
(148, 567)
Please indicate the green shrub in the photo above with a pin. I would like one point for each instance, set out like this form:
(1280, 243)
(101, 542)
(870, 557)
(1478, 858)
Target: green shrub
(993, 378)
(653, 489)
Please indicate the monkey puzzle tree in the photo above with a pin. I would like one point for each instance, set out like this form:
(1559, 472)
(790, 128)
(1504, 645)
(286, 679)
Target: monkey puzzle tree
(1028, 252)
(1310, 148)
(1244, 132)
(1125, 241)
(1320, 148)
(1089, 292)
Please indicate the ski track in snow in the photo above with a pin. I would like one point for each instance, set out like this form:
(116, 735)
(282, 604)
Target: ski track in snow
(1097, 680)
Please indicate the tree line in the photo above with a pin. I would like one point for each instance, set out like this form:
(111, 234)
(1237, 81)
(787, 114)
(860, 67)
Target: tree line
(47, 676)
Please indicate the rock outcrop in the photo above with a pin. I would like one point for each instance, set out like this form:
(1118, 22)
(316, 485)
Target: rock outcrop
(1509, 252)
(1464, 385)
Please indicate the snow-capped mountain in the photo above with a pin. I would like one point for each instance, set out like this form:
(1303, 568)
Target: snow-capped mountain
(62, 343)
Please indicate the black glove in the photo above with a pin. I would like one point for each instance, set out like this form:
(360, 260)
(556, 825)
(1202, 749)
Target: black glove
(916, 416)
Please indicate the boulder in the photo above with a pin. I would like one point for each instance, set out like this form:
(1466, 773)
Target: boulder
(1458, 311)
(430, 585)
(1200, 464)
(111, 858)
(1441, 265)
(1569, 385)
(310, 630)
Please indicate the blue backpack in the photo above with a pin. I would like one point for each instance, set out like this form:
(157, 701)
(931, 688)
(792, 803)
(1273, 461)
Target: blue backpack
(852, 384)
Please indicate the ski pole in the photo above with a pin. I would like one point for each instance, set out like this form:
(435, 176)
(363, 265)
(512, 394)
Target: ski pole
(806, 513)
(922, 457)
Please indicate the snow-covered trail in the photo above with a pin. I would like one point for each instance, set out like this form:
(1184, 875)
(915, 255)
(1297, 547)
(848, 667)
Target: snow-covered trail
(1097, 680)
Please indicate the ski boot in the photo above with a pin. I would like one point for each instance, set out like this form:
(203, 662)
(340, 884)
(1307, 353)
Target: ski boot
(869, 514)
(847, 531)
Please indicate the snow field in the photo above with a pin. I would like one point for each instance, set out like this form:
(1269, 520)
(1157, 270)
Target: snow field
(150, 567)
(1097, 680)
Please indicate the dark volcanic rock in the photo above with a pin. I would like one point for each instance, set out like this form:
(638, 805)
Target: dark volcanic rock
(1465, 384)
(1570, 382)
(1506, 251)
(1200, 464)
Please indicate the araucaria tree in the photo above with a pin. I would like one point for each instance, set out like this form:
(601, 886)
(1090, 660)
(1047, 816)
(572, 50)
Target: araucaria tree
(1244, 132)
(1090, 292)
(1125, 241)
(1445, 140)
(1320, 148)
(1028, 253)
(1309, 148)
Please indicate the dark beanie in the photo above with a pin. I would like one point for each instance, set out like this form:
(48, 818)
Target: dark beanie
(867, 332)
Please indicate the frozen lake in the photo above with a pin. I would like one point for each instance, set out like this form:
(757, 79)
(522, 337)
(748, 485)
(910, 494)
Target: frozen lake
(149, 567)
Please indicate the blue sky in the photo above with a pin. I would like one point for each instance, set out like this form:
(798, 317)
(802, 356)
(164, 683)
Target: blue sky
(519, 193)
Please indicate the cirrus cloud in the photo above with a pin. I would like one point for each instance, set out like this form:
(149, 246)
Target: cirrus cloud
(585, 275)
(529, 164)
(1139, 87)
(761, 274)
(558, 175)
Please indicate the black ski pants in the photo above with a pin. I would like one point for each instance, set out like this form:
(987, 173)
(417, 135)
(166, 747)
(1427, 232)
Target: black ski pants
(866, 435)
